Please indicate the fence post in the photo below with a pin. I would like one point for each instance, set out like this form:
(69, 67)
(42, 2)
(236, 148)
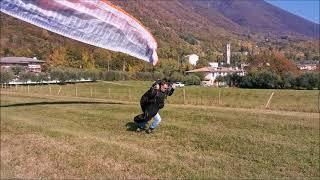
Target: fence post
(59, 90)
(28, 88)
(109, 90)
(219, 100)
(16, 87)
(90, 91)
(76, 91)
(129, 93)
(50, 90)
(268, 103)
(184, 96)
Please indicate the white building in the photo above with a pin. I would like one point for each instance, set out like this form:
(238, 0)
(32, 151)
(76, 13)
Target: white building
(214, 64)
(307, 67)
(30, 64)
(193, 59)
(212, 73)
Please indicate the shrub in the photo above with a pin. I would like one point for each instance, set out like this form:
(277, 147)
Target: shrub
(108, 76)
(192, 80)
(308, 80)
(158, 75)
(176, 77)
(41, 77)
(59, 75)
(17, 69)
(115, 76)
(265, 79)
(91, 74)
(73, 74)
(27, 76)
(145, 76)
(288, 81)
(6, 76)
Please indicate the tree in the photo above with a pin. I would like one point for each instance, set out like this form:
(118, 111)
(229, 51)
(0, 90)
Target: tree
(192, 80)
(57, 58)
(202, 63)
(7, 52)
(176, 76)
(73, 74)
(233, 79)
(74, 58)
(17, 69)
(308, 80)
(6, 75)
(58, 75)
(26, 76)
(189, 38)
(273, 61)
(91, 74)
(42, 77)
(102, 58)
(87, 59)
(288, 81)
(219, 79)
(158, 75)
(264, 79)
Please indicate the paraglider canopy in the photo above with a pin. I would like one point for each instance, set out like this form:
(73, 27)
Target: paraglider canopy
(95, 22)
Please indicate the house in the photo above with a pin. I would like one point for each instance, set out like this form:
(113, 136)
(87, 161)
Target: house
(308, 65)
(193, 59)
(30, 64)
(212, 73)
(214, 64)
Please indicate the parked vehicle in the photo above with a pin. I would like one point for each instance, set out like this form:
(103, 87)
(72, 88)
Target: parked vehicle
(178, 84)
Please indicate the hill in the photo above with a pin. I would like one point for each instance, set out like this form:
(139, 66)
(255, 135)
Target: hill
(181, 27)
(255, 16)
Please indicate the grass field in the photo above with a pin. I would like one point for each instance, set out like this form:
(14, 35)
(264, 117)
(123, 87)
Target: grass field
(289, 100)
(77, 137)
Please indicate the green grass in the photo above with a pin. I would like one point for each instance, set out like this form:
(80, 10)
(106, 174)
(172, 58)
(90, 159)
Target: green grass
(289, 100)
(64, 137)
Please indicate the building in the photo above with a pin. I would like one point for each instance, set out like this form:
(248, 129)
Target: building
(214, 64)
(30, 64)
(193, 59)
(212, 73)
(307, 67)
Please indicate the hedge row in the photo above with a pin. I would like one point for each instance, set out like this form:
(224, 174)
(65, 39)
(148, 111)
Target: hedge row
(70, 74)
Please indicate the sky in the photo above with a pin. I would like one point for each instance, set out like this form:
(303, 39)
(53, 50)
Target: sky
(308, 9)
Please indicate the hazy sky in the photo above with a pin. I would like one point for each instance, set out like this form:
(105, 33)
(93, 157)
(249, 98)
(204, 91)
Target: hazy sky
(309, 9)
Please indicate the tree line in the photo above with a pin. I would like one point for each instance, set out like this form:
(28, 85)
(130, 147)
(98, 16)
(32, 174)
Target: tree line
(64, 75)
(270, 80)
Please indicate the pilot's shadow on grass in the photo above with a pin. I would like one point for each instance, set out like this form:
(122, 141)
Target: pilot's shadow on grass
(131, 126)
(57, 103)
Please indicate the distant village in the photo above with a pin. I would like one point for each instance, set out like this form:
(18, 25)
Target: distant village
(211, 73)
(216, 70)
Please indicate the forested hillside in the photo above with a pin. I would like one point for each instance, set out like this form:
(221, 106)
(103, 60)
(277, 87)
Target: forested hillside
(180, 28)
